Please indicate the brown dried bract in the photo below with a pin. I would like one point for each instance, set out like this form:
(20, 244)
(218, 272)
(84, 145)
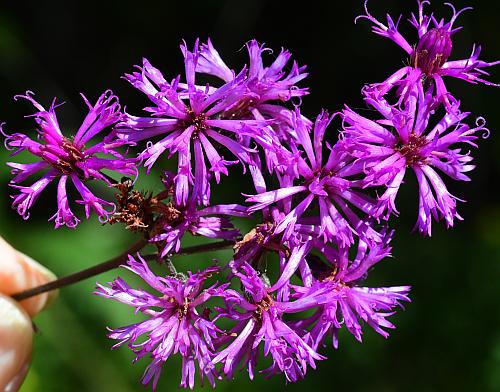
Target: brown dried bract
(134, 208)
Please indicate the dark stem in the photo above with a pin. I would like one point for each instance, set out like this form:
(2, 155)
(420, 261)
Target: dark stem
(189, 250)
(81, 275)
(115, 262)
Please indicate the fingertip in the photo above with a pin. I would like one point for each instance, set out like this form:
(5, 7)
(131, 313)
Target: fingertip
(16, 343)
(19, 272)
(36, 275)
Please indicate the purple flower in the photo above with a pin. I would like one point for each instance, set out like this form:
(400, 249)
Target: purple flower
(260, 320)
(268, 87)
(263, 239)
(174, 323)
(403, 139)
(342, 301)
(65, 158)
(266, 83)
(327, 183)
(176, 221)
(429, 56)
(193, 121)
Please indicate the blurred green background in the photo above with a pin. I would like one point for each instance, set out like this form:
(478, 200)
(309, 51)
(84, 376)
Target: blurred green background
(448, 339)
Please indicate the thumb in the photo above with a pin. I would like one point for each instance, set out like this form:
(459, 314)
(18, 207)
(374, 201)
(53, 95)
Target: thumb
(19, 272)
(16, 341)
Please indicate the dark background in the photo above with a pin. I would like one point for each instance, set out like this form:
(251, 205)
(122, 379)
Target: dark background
(448, 337)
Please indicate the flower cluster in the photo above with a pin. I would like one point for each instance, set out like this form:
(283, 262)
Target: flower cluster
(321, 205)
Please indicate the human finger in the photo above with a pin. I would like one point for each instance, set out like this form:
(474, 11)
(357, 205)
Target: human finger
(16, 343)
(19, 272)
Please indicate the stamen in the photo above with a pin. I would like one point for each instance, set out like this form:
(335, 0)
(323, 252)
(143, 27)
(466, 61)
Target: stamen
(412, 150)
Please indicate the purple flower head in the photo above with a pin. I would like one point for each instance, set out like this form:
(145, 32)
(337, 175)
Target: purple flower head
(194, 121)
(174, 323)
(263, 239)
(432, 50)
(63, 158)
(266, 83)
(325, 181)
(175, 221)
(429, 56)
(271, 83)
(403, 139)
(260, 320)
(340, 298)
(268, 87)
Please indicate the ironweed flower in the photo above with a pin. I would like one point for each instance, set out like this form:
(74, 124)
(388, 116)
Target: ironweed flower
(263, 238)
(429, 55)
(260, 320)
(341, 299)
(193, 120)
(174, 322)
(403, 139)
(165, 223)
(175, 221)
(326, 182)
(267, 84)
(68, 158)
(271, 86)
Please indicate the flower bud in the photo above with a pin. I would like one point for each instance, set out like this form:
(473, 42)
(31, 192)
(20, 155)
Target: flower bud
(432, 50)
